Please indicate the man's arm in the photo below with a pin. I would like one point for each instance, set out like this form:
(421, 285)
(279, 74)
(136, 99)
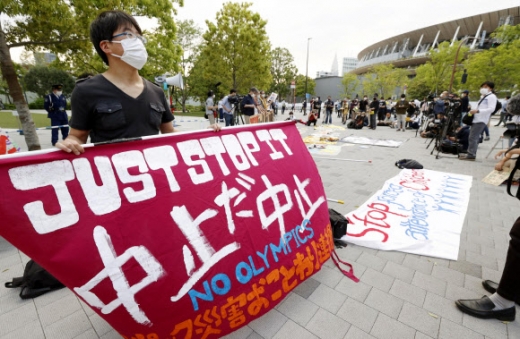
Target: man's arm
(74, 141)
(500, 165)
(167, 127)
(491, 101)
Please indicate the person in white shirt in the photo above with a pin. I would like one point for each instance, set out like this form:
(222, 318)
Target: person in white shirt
(482, 114)
(415, 120)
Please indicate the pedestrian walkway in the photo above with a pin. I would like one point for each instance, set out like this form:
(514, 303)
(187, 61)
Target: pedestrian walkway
(399, 296)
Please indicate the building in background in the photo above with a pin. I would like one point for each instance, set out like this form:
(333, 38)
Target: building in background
(349, 64)
(329, 85)
(410, 50)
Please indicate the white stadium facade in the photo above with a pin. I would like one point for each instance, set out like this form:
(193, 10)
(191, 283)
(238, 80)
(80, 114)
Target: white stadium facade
(411, 49)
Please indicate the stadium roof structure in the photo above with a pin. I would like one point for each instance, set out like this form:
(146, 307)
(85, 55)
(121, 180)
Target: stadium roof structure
(412, 48)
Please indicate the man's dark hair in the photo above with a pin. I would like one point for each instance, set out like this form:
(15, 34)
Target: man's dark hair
(231, 91)
(210, 94)
(403, 95)
(104, 26)
(489, 84)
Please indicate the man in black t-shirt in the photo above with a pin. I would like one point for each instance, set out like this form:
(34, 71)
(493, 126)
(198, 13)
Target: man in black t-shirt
(114, 114)
(363, 104)
(118, 103)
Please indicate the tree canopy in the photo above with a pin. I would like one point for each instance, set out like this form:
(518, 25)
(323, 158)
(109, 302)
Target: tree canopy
(500, 64)
(283, 72)
(188, 39)
(435, 75)
(235, 52)
(62, 27)
(39, 80)
(351, 84)
(384, 79)
(300, 85)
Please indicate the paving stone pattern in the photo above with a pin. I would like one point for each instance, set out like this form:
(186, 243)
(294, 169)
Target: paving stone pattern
(399, 296)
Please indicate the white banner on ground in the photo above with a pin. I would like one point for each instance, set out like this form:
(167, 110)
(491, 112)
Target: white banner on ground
(374, 142)
(418, 211)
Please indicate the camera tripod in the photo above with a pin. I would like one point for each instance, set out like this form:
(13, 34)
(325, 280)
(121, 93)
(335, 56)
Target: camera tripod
(237, 116)
(439, 138)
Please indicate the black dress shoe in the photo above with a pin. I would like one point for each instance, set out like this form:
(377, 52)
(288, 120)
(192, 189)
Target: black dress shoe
(483, 308)
(492, 287)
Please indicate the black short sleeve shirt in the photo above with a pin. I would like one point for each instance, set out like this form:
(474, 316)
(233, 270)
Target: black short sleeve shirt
(108, 113)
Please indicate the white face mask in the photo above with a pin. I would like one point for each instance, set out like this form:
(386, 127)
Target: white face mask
(402, 99)
(134, 52)
(484, 91)
(58, 93)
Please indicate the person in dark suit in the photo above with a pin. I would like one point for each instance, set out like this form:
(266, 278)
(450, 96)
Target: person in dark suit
(55, 104)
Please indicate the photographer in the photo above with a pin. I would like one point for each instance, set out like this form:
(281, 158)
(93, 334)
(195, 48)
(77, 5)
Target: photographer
(461, 137)
(434, 127)
(227, 107)
(482, 114)
(249, 104)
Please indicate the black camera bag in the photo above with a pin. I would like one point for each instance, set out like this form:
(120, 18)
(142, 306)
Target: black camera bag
(35, 281)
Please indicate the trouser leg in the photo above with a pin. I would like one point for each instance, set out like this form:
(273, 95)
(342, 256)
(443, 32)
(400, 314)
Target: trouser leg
(64, 130)
(54, 131)
(211, 118)
(509, 286)
(474, 136)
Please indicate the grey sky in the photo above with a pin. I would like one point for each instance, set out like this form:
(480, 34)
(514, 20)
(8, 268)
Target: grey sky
(344, 27)
(338, 26)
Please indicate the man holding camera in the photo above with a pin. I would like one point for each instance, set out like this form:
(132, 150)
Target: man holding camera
(486, 106)
(227, 108)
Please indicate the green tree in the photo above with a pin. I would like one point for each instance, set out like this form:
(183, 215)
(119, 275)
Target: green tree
(283, 72)
(33, 25)
(418, 88)
(435, 74)
(300, 85)
(40, 79)
(384, 79)
(500, 65)
(188, 39)
(350, 83)
(234, 52)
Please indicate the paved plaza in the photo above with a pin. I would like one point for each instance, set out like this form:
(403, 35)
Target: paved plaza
(399, 296)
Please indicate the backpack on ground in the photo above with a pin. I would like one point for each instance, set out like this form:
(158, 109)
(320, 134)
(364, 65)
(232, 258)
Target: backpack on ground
(408, 164)
(338, 223)
(35, 281)
(339, 228)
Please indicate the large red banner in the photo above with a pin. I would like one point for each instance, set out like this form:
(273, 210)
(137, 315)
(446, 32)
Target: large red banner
(187, 235)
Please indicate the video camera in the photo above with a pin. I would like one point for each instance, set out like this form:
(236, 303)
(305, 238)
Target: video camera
(235, 101)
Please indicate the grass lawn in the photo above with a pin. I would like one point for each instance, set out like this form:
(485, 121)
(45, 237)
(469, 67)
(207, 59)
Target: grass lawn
(7, 120)
(199, 114)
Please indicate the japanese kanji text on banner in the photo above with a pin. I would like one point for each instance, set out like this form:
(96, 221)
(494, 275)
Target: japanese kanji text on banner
(188, 235)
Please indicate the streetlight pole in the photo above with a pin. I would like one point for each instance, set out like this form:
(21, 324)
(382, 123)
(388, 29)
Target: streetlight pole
(456, 60)
(306, 72)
